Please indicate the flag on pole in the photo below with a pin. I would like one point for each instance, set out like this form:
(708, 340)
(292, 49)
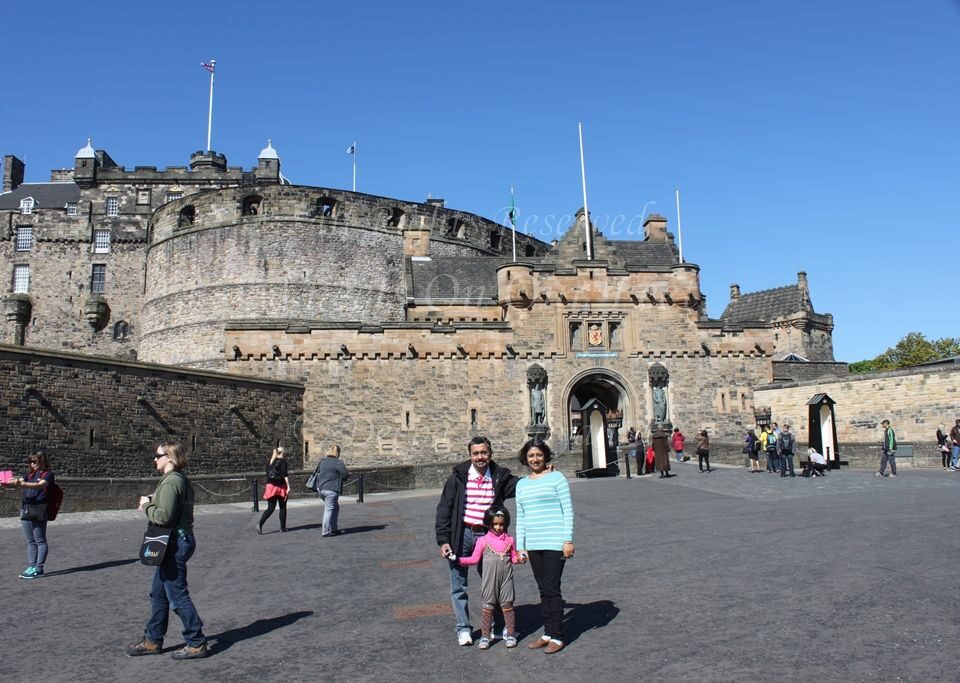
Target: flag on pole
(208, 67)
(352, 149)
(513, 222)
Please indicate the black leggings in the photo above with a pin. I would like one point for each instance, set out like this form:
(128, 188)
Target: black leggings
(704, 457)
(271, 504)
(547, 568)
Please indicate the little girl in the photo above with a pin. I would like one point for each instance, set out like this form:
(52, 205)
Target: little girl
(499, 552)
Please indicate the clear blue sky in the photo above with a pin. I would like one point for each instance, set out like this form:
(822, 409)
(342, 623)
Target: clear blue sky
(818, 136)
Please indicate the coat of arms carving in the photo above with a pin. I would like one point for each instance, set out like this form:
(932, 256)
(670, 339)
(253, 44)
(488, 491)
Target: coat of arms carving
(595, 334)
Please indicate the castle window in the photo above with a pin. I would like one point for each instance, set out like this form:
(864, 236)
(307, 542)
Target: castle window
(455, 227)
(251, 205)
(101, 241)
(396, 215)
(576, 337)
(24, 238)
(73, 209)
(113, 206)
(616, 335)
(325, 207)
(495, 240)
(121, 330)
(188, 215)
(98, 278)
(174, 196)
(143, 197)
(530, 250)
(26, 205)
(21, 278)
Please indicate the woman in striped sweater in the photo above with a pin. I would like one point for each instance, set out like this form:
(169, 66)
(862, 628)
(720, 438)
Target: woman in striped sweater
(545, 536)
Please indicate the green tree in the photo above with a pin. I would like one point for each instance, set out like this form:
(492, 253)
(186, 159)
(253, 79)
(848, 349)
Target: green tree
(913, 349)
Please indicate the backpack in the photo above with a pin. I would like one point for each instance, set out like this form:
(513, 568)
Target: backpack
(771, 441)
(786, 443)
(54, 500)
(274, 471)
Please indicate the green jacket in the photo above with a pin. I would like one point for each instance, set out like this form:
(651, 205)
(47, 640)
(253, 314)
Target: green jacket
(172, 502)
(889, 440)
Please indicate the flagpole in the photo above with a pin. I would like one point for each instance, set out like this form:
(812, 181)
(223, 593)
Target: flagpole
(354, 165)
(213, 66)
(586, 211)
(513, 223)
(679, 229)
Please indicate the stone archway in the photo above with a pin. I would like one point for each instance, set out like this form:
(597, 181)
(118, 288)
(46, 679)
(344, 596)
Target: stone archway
(595, 439)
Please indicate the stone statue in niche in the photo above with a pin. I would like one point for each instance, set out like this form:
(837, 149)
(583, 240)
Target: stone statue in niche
(659, 380)
(537, 385)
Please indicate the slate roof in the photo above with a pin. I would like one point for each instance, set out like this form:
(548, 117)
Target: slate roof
(640, 253)
(457, 277)
(765, 305)
(45, 195)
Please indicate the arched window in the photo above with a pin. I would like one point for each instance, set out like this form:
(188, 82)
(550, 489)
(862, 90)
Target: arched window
(120, 330)
(530, 250)
(495, 240)
(455, 227)
(252, 205)
(188, 215)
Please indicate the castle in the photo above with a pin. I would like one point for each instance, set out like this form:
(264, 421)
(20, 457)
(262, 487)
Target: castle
(410, 325)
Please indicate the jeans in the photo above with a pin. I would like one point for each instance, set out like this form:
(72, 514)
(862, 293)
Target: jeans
(786, 460)
(955, 456)
(679, 455)
(547, 569)
(704, 457)
(169, 591)
(331, 511)
(892, 458)
(772, 461)
(458, 580)
(36, 535)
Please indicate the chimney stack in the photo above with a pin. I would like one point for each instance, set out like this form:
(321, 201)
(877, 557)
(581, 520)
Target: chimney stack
(734, 291)
(655, 228)
(12, 173)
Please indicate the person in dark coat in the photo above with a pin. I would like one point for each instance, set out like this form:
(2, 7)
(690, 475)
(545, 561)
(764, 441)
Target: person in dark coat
(661, 449)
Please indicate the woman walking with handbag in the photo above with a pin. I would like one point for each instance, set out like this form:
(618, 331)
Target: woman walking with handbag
(171, 506)
(33, 513)
(276, 489)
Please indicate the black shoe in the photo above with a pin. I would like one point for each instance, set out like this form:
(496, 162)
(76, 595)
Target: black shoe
(283, 530)
(260, 529)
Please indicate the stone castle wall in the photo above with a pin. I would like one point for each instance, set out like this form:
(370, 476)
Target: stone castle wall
(97, 417)
(915, 400)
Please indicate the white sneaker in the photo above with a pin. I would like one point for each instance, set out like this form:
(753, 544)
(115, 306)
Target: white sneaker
(484, 644)
(464, 638)
(894, 476)
(878, 475)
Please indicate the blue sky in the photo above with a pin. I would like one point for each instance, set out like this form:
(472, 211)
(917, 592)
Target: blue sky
(818, 136)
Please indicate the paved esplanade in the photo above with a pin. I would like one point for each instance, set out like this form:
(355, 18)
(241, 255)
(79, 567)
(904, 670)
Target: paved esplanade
(723, 576)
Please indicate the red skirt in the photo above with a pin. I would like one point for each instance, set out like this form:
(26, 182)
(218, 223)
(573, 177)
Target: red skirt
(271, 490)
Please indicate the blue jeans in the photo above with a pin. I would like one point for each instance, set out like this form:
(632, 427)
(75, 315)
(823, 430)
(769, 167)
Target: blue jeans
(169, 591)
(36, 535)
(955, 456)
(773, 464)
(458, 580)
(786, 460)
(331, 511)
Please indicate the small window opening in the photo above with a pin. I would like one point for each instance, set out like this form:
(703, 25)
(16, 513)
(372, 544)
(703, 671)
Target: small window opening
(188, 215)
(251, 205)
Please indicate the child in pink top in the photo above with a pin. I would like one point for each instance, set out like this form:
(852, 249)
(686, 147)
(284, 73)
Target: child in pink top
(498, 551)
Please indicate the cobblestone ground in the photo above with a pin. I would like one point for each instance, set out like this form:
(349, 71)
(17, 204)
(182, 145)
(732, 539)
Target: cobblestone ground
(702, 577)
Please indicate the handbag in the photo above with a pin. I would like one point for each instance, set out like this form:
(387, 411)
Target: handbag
(312, 479)
(34, 512)
(156, 539)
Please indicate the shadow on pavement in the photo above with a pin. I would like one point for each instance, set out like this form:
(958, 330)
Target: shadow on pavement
(578, 618)
(92, 567)
(223, 641)
(344, 531)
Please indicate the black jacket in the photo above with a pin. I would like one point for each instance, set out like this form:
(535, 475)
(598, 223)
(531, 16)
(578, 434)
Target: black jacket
(453, 500)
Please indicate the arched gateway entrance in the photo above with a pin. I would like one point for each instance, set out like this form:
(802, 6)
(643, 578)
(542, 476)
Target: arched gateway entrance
(596, 405)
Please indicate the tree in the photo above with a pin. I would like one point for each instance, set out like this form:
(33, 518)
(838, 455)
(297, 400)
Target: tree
(913, 349)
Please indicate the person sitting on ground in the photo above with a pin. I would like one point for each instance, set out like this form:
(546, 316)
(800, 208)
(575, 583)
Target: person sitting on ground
(818, 463)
